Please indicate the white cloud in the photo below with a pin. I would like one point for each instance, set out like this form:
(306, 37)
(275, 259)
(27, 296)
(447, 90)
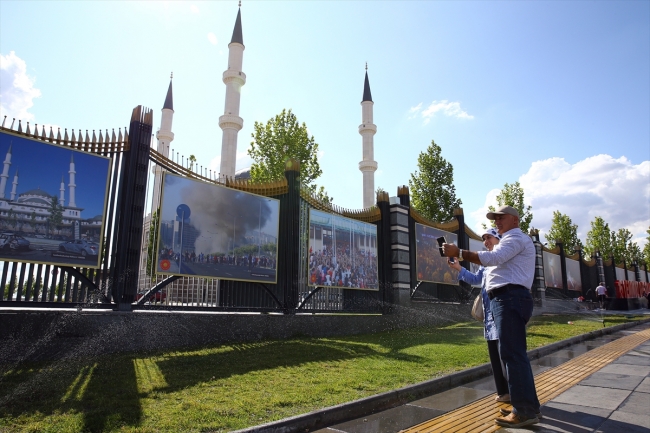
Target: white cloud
(601, 185)
(444, 107)
(17, 91)
(212, 38)
(194, 9)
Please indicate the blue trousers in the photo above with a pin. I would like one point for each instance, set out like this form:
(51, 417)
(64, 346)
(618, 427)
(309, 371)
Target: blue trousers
(511, 311)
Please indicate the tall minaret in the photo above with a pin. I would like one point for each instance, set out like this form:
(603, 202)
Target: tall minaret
(5, 173)
(14, 187)
(72, 185)
(367, 130)
(230, 122)
(62, 192)
(165, 137)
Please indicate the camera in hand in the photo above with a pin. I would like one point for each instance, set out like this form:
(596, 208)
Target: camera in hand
(441, 240)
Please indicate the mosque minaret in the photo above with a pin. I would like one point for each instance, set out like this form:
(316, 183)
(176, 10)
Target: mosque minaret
(62, 192)
(230, 122)
(367, 129)
(5, 173)
(14, 186)
(72, 185)
(164, 137)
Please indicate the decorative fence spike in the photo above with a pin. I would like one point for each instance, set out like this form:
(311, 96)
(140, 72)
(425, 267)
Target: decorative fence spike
(12, 124)
(20, 126)
(58, 136)
(51, 137)
(3, 121)
(27, 130)
(65, 137)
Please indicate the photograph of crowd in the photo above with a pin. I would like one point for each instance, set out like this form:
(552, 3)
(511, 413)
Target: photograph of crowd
(573, 280)
(212, 231)
(342, 252)
(552, 271)
(429, 265)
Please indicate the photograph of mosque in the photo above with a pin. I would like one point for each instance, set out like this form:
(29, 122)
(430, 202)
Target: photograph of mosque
(212, 231)
(52, 202)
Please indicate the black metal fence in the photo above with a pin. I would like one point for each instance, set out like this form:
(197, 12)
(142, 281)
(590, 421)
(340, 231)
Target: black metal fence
(122, 281)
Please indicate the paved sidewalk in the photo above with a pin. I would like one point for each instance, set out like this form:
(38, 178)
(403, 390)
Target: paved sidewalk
(614, 398)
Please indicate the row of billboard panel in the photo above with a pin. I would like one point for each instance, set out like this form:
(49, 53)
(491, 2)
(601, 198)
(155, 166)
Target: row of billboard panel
(53, 202)
(212, 231)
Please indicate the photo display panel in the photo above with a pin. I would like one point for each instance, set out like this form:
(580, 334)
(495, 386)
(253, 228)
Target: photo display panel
(342, 252)
(429, 265)
(52, 203)
(552, 271)
(212, 231)
(573, 280)
(620, 274)
(475, 245)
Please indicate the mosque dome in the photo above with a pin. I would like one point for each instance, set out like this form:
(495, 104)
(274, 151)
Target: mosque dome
(244, 173)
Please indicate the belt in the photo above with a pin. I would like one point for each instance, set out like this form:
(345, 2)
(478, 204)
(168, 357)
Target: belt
(503, 289)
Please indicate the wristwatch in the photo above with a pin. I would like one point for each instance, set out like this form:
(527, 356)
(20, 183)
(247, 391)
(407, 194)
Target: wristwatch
(460, 255)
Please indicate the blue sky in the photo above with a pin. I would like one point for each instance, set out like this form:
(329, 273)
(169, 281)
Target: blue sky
(555, 95)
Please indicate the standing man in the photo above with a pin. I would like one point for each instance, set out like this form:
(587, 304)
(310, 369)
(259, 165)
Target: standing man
(508, 284)
(601, 291)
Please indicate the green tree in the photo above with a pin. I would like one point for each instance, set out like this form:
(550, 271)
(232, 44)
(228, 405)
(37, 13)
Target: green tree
(646, 249)
(433, 193)
(12, 218)
(192, 160)
(599, 238)
(152, 243)
(634, 254)
(563, 229)
(513, 195)
(620, 242)
(56, 214)
(280, 139)
(32, 219)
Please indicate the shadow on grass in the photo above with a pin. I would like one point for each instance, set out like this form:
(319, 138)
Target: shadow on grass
(104, 389)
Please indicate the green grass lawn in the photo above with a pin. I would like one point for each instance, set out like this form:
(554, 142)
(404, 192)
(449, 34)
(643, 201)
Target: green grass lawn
(234, 386)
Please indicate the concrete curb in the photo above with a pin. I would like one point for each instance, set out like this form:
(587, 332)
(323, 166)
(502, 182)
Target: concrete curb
(366, 406)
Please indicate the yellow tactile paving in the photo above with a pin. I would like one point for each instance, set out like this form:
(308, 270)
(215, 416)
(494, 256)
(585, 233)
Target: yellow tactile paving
(479, 415)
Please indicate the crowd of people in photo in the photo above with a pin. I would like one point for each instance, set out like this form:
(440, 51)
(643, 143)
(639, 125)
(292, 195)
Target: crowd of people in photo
(243, 260)
(343, 267)
(431, 266)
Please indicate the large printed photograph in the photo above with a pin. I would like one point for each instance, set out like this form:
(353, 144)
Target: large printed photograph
(573, 279)
(211, 231)
(552, 271)
(342, 252)
(52, 203)
(429, 265)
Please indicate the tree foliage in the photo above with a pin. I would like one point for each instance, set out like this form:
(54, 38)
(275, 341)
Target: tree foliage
(599, 238)
(280, 139)
(563, 229)
(56, 214)
(620, 241)
(433, 193)
(646, 249)
(152, 243)
(513, 195)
